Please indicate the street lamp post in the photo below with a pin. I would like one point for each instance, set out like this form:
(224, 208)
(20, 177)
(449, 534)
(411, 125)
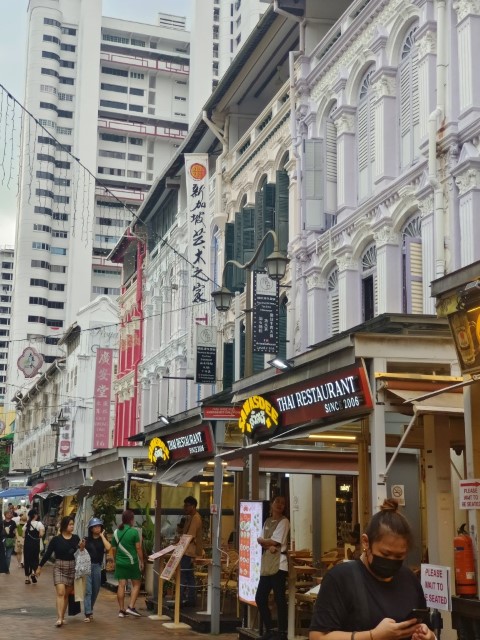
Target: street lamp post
(57, 426)
(276, 266)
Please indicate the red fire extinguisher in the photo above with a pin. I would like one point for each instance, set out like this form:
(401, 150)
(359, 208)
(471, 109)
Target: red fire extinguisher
(464, 562)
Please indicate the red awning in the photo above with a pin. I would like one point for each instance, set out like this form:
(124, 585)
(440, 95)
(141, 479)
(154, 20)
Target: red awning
(38, 488)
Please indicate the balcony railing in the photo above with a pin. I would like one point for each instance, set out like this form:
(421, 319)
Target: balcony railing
(145, 63)
(143, 129)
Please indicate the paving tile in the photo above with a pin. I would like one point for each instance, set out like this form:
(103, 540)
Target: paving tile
(28, 610)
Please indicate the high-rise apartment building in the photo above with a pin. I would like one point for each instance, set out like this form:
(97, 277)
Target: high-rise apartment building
(111, 99)
(219, 29)
(6, 286)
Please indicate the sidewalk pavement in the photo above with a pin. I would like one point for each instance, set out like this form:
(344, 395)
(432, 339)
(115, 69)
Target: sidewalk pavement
(28, 611)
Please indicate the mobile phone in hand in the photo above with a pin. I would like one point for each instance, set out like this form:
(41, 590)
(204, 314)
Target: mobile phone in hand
(422, 615)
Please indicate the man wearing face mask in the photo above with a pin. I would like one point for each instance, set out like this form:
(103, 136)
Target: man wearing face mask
(372, 598)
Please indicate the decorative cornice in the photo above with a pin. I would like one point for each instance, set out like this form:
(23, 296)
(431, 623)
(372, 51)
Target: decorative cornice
(346, 262)
(426, 41)
(465, 8)
(468, 180)
(385, 236)
(315, 281)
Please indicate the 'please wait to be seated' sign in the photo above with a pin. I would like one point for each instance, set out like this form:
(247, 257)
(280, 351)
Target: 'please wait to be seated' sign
(469, 494)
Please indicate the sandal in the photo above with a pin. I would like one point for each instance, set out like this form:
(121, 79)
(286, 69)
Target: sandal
(59, 623)
(88, 619)
(27, 581)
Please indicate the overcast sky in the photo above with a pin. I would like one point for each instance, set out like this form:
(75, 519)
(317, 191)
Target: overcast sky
(13, 25)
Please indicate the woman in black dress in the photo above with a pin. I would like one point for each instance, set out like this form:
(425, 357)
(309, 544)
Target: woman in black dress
(32, 532)
(64, 547)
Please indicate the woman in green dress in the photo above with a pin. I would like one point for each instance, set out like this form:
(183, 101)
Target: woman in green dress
(128, 562)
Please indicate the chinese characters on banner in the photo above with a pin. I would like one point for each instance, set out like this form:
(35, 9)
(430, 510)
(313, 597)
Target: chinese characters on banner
(65, 441)
(196, 171)
(265, 313)
(103, 395)
(206, 355)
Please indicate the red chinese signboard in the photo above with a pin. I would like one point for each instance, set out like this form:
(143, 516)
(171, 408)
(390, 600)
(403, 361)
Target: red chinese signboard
(103, 396)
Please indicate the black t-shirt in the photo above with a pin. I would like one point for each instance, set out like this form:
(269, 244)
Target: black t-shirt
(340, 606)
(9, 528)
(63, 548)
(96, 549)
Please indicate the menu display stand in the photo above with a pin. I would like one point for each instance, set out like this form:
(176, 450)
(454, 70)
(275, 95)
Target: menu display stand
(160, 554)
(173, 567)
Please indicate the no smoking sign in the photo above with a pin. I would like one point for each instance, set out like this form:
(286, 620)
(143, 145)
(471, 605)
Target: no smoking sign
(398, 492)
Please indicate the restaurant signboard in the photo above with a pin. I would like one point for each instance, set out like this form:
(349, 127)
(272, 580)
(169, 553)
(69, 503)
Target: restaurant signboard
(332, 397)
(195, 442)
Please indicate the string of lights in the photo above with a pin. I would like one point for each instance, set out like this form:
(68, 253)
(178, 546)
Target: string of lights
(97, 181)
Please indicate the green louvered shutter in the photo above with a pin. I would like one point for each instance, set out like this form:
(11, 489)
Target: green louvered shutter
(259, 225)
(281, 209)
(228, 364)
(229, 255)
(248, 231)
(264, 220)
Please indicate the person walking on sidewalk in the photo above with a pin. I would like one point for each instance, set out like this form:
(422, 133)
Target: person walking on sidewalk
(96, 544)
(192, 527)
(9, 536)
(32, 532)
(64, 546)
(128, 562)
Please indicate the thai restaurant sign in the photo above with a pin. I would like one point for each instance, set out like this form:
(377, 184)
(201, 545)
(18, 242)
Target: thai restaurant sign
(334, 396)
(103, 397)
(197, 442)
(250, 525)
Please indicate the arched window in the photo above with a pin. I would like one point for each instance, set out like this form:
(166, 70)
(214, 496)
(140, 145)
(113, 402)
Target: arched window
(331, 167)
(412, 266)
(333, 303)
(369, 283)
(366, 136)
(409, 101)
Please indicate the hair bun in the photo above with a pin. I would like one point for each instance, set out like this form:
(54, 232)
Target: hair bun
(389, 504)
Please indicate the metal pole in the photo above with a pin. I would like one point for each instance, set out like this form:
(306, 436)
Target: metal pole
(216, 542)
(57, 442)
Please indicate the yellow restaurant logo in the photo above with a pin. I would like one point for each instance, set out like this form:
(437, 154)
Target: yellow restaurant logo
(158, 451)
(257, 412)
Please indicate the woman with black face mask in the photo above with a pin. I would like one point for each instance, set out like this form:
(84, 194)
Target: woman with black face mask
(372, 598)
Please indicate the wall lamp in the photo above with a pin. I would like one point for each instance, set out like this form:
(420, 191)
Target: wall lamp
(165, 419)
(281, 363)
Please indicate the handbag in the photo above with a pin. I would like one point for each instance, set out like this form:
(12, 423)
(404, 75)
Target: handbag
(74, 607)
(270, 563)
(9, 543)
(83, 563)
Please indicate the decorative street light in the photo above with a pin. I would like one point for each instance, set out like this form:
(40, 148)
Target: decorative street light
(57, 426)
(276, 267)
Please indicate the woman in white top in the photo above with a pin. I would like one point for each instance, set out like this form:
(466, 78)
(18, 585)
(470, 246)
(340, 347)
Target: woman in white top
(274, 570)
(32, 532)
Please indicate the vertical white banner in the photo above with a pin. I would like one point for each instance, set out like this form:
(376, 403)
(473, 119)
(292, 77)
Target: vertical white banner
(198, 216)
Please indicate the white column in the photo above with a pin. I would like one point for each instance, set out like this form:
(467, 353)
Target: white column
(317, 298)
(426, 45)
(428, 252)
(349, 292)
(346, 161)
(468, 184)
(468, 33)
(385, 123)
(389, 272)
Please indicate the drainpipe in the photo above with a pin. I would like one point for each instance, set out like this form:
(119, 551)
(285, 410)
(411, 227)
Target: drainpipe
(437, 117)
(218, 473)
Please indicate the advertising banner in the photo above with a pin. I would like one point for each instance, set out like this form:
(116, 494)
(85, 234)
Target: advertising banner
(206, 354)
(103, 397)
(174, 560)
(250, 526)
(196, 173)
(265, 313)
